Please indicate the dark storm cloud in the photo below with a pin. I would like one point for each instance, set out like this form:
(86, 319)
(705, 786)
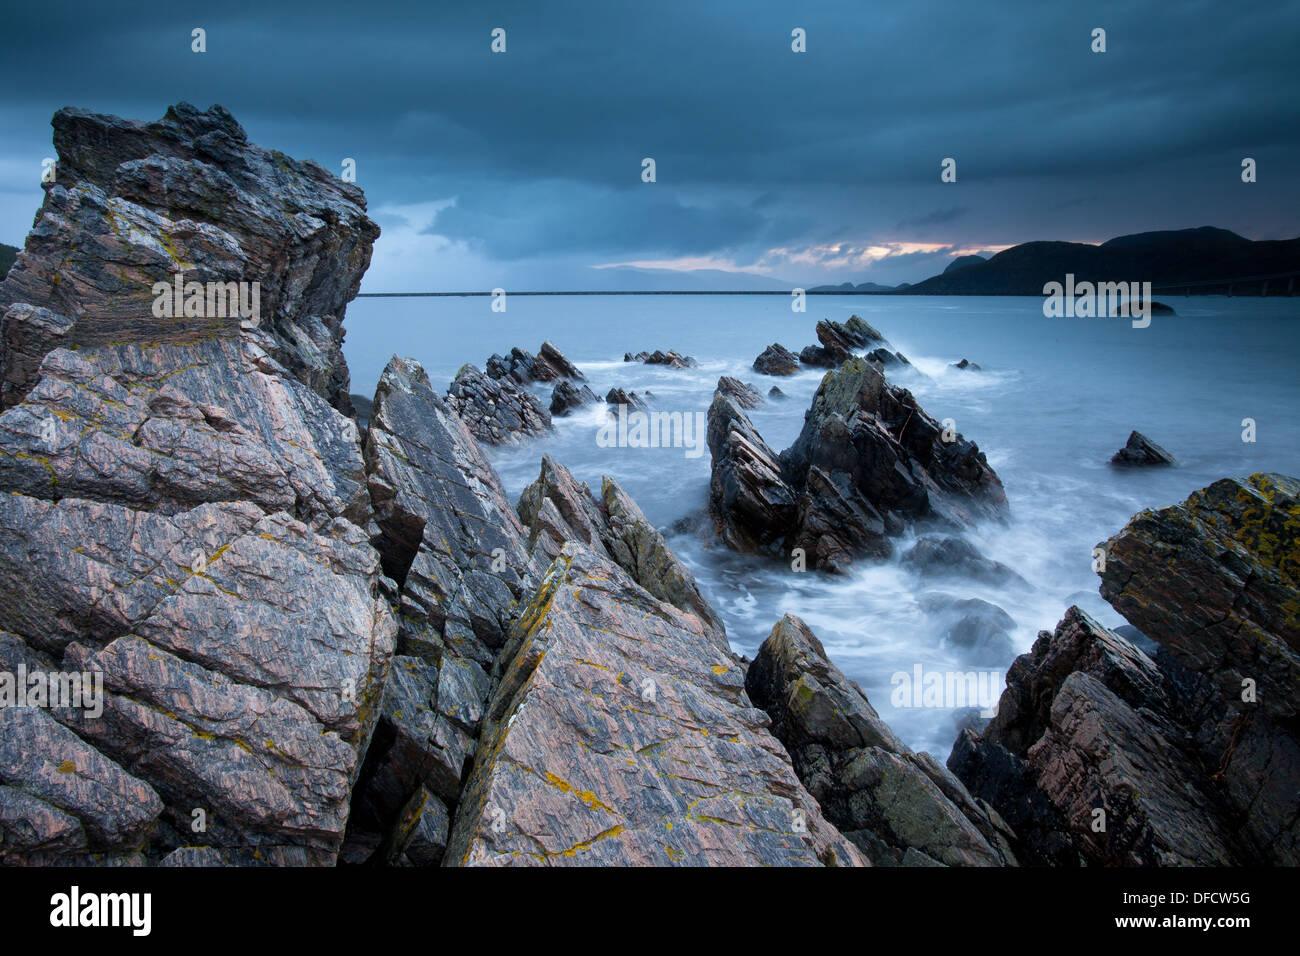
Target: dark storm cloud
(541, 147)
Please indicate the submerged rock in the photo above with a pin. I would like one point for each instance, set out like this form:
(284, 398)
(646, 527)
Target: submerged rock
(818, 357)
(886, 799)
(1140, 450)
(966, 364)
(938, 556)
(776, 359)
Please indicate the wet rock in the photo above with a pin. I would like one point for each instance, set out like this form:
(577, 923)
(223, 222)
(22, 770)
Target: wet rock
(980, 627)
(566, 396)
(617, 396)
(670, 358)
(618, 734)
(868, 462)
(776, 359)
(522, 367)
(1216, 579)
(938, 556)
(966, 364)
(775, 393)
(1089, 723)
(135, 203)
(746, 396)
(818, 357)
(872, 787)
(497, 411)
(1140, 450)
(752, 506)
(887, 359)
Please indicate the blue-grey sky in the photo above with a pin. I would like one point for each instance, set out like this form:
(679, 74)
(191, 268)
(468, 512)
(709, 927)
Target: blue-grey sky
(523, 169)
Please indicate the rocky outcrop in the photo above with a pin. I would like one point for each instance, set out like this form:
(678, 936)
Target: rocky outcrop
(892, 803)
(1140, 450)
(556, 508)
(619, 733)
(522, 367)
(746, 396)
(818, 357)
(164, 478)
(868, 462)
(135, 203)
(966, 365)
(1102, 754)
(496, 411)
(566, 396)
(887, 359)
(776, 359)
(618, 396)
(670, 358)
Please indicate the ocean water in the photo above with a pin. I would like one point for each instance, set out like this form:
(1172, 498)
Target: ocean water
(1056, 398)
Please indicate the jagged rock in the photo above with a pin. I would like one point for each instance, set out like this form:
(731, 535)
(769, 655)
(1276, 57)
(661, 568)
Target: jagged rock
(1140, 450)
(165, 478)
(746, 396)
(252, 704)
(966, 364)
(1216, 580)
(776, 359)
(1089, 723)
(632, 400)
(752, 506)
(558, 509)
(670, 359)
(868, 461)
(936, 556)
(858, 332)
(887, 359)
(566, 396)
(497, 411)
(135, 202)
(836, 341)
(882, 796)
(61, 798)
(818, 357)
(522, 367)
(617, 733)
(1192, 753)
(167, 427)
(448, 536)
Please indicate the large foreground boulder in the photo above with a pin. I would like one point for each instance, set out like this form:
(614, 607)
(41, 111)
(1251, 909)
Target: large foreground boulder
(133, 204)
(619, 733)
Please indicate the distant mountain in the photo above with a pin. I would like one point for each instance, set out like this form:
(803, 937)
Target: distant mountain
(7, 256)
(1161, 258)
(850, 287)
(961, 262)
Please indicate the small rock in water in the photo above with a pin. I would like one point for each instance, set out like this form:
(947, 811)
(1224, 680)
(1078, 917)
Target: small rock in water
(1140, 450)
(776, 359)
(775, 393)
(670, 358)
(618, 396)
(566, 396)
(966, 364)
